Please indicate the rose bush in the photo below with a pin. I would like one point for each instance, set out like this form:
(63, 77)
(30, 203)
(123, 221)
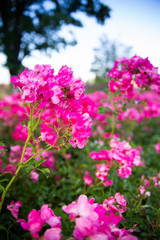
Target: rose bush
(93, 156)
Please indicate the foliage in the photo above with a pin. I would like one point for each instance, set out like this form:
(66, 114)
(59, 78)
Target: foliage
(26, 25)
(117, 165)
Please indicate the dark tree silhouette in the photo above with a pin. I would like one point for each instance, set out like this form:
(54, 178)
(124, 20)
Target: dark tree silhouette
(26, 25)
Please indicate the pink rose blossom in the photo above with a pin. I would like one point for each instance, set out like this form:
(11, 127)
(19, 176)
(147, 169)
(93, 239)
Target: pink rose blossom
(14, 208)
(88, 180)
(157, 147)
(34, 176)
(98, 221)
(52, 234)
(37, 219)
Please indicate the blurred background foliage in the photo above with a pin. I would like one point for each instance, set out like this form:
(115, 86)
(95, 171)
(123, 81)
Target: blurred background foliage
(26, 25)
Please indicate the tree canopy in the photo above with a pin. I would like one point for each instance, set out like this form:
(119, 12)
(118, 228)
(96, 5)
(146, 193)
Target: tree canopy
(26, 25)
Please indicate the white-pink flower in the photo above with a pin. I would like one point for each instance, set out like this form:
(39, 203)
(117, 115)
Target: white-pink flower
(14, 208)
(52, 234)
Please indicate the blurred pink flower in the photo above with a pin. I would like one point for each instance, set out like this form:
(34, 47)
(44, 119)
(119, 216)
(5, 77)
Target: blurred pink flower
(14, 208)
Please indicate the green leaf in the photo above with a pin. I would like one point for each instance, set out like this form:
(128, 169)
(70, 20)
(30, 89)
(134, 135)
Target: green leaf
(144, 103)
(29, 168)
(124, 108)
(23, 124)
(4, 180)
(32, 161)
(46, 171)
(39, 162)
(33, 150)
(30, 145)
(102, 109)
(3, 228)
(84, 165)
(22, 164)
(149, 220)
(158, 211)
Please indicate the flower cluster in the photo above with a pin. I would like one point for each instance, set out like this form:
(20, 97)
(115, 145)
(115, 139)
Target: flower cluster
(148, 183)
(20, 133)
(98, 221)
(37, 219)
(91, 103)
(102, 174)
(135, 71)
(125, 156)
(140, 112)
(59, 97)
(11, 110)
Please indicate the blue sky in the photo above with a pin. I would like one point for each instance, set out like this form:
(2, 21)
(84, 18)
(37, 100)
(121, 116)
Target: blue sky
(134, 23)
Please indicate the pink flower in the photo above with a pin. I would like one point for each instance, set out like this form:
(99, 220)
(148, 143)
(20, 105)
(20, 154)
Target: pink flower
(34, 176)
(142, 189)
(20, 132)
(10, 168)
(52, 234)
(96, 221)
(65, 76)
(48, 216)
(99, 236)
(148, 193)
(65, 114)
(82, 208)
(2, 147)
(68, 155)
(120, 199)
(57, 93)
(128, 237)
(108, 183)
(123, 154)
(14, 208)
(49, 159)
(109, 204)
(34, 224)
(48, 134)
(157, 147)
(36, 220)
(94, 156)
(113, 86)
(83, 228)
(77, 88)
(88, 180)
(134, 72)
(124, 171)
(102, 171)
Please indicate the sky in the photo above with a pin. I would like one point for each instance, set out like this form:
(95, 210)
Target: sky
(133, 23)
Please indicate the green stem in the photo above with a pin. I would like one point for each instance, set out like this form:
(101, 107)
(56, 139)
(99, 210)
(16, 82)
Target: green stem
(35, 155)
(113, 129)
(38, 120)
(16, 173)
